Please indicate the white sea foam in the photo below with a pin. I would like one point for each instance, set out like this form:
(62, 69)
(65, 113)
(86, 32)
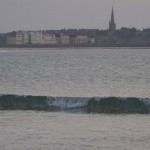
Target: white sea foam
(65, 102)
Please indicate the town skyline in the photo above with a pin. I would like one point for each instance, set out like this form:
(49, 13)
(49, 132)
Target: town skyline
(45, 15)
(78, 37)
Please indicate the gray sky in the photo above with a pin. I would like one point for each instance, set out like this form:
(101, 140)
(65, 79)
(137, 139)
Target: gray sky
(58, 14)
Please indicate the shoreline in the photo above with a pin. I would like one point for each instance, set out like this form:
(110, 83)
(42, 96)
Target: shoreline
(72, 47)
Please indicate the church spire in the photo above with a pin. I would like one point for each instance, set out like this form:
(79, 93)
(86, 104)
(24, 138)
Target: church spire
(112, 16)
(112, 24)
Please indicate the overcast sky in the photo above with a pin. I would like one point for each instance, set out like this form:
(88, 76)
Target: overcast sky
(58, 14)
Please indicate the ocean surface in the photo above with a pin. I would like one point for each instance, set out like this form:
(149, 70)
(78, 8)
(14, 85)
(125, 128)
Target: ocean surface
(33, 79)
(30, 130)
(83, 72)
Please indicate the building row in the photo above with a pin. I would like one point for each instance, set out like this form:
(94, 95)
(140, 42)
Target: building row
(46, 38)
(84, 37)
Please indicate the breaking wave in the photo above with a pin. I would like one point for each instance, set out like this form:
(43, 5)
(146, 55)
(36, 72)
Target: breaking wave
(90, 105)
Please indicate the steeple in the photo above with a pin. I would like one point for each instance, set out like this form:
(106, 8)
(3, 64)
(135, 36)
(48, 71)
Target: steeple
(112, 16)
(112, 24)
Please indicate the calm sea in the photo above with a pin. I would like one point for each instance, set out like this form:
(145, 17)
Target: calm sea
(74, 73)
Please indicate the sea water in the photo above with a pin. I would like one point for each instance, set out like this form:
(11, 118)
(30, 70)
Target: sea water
(28, 130)
(76, 72)
(69, 78)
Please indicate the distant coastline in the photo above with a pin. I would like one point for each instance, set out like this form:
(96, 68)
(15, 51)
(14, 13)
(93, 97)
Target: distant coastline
(111, 37)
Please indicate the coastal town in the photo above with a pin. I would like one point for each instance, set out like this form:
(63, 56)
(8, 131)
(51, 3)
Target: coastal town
(112, 37)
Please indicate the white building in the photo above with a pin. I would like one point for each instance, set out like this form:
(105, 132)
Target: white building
(49, 39)
(81, 39)
(26, 38)
(65, 39)
(36, 37)
(19, 38)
